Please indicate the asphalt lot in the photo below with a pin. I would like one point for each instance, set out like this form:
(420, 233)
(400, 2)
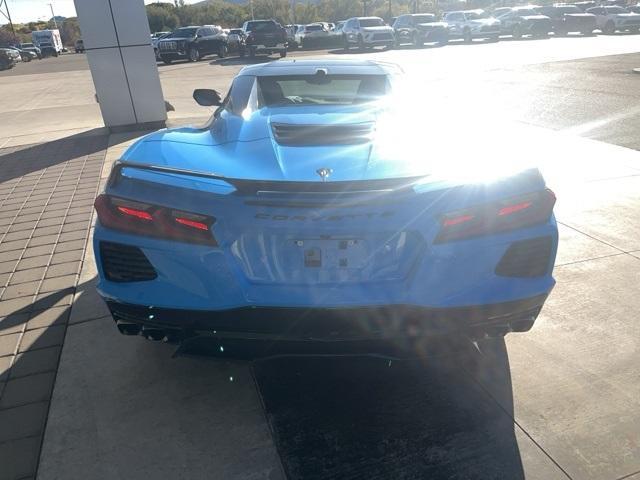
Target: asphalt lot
(561, 401)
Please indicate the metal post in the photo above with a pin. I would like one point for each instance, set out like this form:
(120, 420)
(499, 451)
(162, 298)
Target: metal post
(53, 16)
(7, 15)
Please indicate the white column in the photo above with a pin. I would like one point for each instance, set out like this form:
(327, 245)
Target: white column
(123, 66)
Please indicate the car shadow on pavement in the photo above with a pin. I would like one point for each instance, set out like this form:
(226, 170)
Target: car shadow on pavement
(447, 415)
(18, 161)
(372, 418)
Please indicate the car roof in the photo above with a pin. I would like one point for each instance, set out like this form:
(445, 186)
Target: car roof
(367, 18)
(309, 67)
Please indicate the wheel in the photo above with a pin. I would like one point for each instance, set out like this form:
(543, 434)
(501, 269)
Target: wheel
(609, 28)
(166, 60)
(415, 40)
(194, 55)
(466, 36)
(222, 51)
(283, 53)
(4, 65)
(517, 32)
(361, 45)
(345, 43)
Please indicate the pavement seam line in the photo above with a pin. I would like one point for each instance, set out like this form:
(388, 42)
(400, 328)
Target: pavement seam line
(82, 322)
(590, 259)
(66, 324)
(621, 250)
(628, 475)
(515, 422)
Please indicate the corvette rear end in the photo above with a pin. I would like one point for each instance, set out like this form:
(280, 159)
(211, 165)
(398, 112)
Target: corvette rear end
(306, 232)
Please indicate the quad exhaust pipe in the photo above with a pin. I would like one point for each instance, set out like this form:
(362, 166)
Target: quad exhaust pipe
(150, 333)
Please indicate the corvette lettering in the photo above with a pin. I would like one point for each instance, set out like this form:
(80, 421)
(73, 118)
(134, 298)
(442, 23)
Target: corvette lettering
(320, 218)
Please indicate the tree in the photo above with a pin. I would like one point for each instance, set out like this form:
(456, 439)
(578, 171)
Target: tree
(70, 31)
(161, 18)
(7, 37)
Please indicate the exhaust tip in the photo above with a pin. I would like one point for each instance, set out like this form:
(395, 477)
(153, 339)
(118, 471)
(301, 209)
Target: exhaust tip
(126, 328)
(154, 334)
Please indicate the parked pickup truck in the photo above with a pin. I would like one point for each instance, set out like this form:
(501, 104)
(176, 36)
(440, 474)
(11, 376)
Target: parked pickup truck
(264, 36)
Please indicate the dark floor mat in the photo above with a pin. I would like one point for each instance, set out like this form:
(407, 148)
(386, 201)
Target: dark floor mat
(359, 418)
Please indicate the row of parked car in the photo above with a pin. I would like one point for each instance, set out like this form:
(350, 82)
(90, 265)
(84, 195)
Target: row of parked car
(267, 36)
(10, 55)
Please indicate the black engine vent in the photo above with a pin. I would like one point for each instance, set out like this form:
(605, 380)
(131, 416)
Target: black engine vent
(526, 258)
(316, 135)
(124, 263)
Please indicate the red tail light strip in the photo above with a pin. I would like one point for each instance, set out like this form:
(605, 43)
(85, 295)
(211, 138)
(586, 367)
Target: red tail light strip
(510, 214)
(154, 221)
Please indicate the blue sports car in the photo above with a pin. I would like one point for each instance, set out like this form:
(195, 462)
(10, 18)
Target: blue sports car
(306, 211)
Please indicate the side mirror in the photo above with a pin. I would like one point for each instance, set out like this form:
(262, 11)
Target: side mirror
(207, 97)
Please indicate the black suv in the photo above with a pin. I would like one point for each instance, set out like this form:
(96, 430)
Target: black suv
(420, 28)
(265, 36)
(192, 43)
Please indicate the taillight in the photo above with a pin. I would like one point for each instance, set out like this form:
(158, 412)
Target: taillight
(154, 221)
(501, 216)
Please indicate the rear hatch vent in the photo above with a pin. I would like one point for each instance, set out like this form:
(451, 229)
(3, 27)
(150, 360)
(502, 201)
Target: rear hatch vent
(317, 135)
(124, 263)
(526, 258)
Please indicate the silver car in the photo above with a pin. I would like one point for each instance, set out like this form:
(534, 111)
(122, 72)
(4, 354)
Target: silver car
(367, 32)
(470, 24)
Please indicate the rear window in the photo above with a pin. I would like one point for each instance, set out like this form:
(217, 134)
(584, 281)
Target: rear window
(371, 22)
(424, 18)
(261, 26)
(569, 9)
(320, 89)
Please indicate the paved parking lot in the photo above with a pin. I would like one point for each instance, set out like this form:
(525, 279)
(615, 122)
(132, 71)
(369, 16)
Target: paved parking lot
(561, 401)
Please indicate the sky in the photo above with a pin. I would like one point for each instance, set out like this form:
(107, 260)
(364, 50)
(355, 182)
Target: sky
(31, 10)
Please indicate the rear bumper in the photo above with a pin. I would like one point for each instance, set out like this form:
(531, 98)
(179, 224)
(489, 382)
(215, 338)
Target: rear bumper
(354, 324)
(266, 48)
(173, 54)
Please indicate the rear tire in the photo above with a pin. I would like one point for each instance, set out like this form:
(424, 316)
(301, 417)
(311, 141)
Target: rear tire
(283, 53)
(194, 55)
(517, 32)
(415, 40)
(609, 28)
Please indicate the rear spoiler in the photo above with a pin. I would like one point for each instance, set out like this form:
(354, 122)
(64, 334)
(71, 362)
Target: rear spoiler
(255, 187)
